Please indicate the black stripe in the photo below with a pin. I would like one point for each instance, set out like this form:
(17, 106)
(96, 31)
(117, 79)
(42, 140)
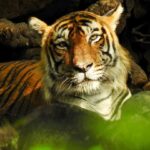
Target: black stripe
(63, 27)
(14, 77)
(58, 25)
(4, 66)
(52, 55)
(114, 62)
(98, 101)
(19, 105)
(103, 30)
(12, 72)
(56, 62)
(95, 29)
(88, 26)
(108, 59)
(80, 29)
(49, 54)
(113, 43)
(107, 52)
(73, 18)
(33, 97)
(13, 109)
(8, 94)
(123, 96)
(60, 34)
(58, 54)
(8, 74)
(85, 22)
(102, 35)
(108, 46)
(86, 16)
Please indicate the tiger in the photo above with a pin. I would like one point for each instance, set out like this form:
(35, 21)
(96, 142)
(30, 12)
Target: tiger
(20, 88)
(83, 63)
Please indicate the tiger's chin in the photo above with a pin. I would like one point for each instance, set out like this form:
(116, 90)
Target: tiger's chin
(86, 87)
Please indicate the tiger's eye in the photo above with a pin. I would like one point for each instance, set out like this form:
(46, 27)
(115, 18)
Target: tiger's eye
(61, 45)
(95, 38)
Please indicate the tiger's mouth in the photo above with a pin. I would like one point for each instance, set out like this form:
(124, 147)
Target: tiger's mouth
(84, 81)
(73, 77)
(81, 78)
(81, 83)
(77, 84)
(85, 86)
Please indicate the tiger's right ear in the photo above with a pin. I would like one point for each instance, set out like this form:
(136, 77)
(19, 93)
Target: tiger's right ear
(113, 19)
(37, 24)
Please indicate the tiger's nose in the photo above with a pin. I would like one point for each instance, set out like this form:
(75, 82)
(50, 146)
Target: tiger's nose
(83, 68)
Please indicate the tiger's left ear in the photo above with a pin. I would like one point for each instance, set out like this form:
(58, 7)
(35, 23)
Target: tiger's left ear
(37, 24)
(113, 19)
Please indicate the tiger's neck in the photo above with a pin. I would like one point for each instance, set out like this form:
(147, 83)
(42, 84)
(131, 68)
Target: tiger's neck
(106, 103)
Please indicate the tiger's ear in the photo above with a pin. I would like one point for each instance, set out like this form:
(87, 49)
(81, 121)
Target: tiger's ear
(113, 19)
(37, 24)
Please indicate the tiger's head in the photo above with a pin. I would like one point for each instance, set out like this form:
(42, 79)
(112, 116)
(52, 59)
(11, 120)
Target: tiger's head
(81, 53)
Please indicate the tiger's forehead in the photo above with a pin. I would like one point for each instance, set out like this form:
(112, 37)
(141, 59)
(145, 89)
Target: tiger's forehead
(75, 18)
(81, 21)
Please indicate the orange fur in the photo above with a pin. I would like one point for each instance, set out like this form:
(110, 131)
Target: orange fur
(20, 87)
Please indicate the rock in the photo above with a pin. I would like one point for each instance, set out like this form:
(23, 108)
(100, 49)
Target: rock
(147, 86)
(18, 8)
(11, 9)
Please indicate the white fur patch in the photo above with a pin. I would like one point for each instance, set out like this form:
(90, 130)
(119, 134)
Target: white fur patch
(37, 24)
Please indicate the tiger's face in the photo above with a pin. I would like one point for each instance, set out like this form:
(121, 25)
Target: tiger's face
(77, 46)
(78, 51)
